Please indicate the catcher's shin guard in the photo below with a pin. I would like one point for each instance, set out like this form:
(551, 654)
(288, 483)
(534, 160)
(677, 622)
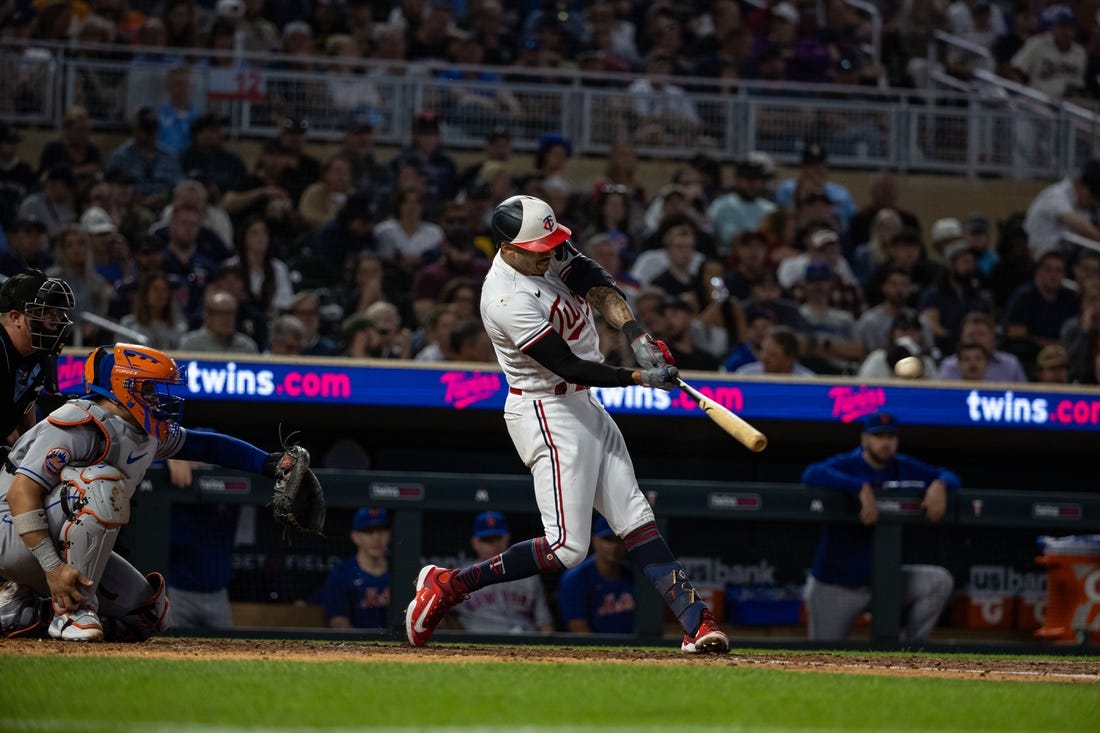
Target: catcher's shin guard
(96, 502)
(148, 619)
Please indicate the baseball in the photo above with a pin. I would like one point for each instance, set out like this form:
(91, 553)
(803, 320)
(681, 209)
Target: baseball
(911, 367)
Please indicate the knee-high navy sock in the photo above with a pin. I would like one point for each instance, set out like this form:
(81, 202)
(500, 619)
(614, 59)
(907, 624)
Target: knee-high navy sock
(521, 560)
(649, 552)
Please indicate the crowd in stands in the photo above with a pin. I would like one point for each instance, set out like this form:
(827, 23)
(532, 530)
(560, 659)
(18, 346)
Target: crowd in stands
(1052, 46)
(174, 235)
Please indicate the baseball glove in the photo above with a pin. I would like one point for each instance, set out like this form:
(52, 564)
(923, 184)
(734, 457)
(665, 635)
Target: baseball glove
(298, 501)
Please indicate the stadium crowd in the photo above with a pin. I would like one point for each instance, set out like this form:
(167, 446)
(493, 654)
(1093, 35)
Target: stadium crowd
(174, 235)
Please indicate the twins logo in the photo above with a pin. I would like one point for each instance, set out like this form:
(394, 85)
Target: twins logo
(56, 459)
(567, 319)
(548, 223)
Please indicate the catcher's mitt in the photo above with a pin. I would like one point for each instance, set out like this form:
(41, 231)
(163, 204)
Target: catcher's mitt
(297, 502)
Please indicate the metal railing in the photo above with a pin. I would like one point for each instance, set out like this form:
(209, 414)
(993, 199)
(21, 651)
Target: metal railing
(929, 130)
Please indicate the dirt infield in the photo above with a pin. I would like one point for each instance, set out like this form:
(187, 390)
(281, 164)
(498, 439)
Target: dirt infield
(905, 665)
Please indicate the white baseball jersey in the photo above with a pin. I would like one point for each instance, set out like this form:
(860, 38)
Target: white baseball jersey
(79, 433)
(576, 454)
(516, 607)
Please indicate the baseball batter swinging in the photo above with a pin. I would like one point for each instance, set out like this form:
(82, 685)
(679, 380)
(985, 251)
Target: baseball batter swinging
(537, 304)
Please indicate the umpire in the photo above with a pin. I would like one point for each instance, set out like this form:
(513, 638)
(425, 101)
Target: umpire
(34, 315)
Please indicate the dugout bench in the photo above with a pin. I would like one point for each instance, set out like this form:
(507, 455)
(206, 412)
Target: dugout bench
(409, 495)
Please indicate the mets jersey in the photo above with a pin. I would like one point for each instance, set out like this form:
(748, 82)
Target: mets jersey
(516, 607)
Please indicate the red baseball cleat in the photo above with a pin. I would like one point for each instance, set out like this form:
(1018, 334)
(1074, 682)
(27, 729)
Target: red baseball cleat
(430, 604)
(707, 639)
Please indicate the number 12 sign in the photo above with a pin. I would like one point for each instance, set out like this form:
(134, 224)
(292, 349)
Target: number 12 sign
(245, 85)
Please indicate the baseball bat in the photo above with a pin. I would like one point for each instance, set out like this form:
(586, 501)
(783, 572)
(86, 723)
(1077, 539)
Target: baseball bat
(744, 433)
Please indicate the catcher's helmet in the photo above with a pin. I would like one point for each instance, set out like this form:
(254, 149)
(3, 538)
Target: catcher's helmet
(46, 301)
(138, 378)
(528, 223)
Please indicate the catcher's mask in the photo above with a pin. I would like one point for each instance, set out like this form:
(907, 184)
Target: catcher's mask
(140, 379)
(46, 302)
(528, 223)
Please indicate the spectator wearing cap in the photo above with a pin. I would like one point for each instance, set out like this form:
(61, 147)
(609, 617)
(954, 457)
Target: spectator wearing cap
(747, 261)
(1036, 311)
(838, 589)
(779, 355)
(1053, 62)
(55, 204)
(17, 179)
(260, 34)
(834, 344)
(368, 175)
(883, 193)
(822, 243)
(516, 607)
(906, 338)
(357, 591)
(1052, 365)
(1064, 207)
(980, 328)
(74, 148)
(155, 168)
(905, 252)
(178, 111)
(665, 115)
(110, 252)
(260, 193)
(943, 234)
(458, 258)
(426, 151)
(339, 242)
(678, 332)
(597, 596)
(874, 326)
(815, 169)
(26, 248)
(958, 290)
(208, 158)
(764, 292)
(976, 233)
(301, 169)
(741, 209)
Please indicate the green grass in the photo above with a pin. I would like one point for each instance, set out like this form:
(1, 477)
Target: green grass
(81, 694)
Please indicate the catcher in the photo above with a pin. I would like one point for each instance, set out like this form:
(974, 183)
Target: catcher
(65, 494)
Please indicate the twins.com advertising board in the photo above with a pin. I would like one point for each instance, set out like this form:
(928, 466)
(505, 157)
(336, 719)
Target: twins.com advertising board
(824, 400)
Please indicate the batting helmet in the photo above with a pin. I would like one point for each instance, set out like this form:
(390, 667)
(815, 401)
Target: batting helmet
(139, 378)
(47, 302)
(528, 223)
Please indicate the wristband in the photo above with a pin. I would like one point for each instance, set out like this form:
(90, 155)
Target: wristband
(30, 521)
(633, 330)
(46, 555)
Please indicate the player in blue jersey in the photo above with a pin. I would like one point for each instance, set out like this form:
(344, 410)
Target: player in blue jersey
(598, 594)
(357, 591)
(838, 589)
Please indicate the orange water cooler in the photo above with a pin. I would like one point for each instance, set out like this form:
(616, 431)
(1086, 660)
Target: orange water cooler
(1073, 588)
